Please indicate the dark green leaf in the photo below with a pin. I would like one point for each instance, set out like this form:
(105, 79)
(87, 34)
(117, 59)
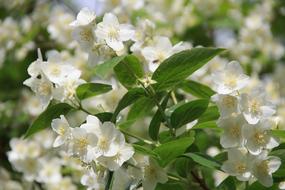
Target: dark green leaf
(129, 98)
(104, 116)
(154, 126)
(106, 68)
(170, 150)
(129, 70)
(212, 113)
(279, 133)
(227, 184)
(204, 160)
(207, 125)
(45, 118)
(188, 112)
(169, 186)
(183, 166)
(141, 107)
(88, 90)
(197, 89)
(180, 65)
(145, 151)
(258, 186)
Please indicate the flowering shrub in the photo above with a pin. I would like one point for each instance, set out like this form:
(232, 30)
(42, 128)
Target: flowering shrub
(128, 99)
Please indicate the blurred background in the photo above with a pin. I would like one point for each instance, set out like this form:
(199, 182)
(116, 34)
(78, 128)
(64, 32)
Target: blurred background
(252, 30)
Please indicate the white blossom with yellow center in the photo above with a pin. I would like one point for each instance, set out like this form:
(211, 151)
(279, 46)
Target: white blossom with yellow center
(114, 33)
(62, 128)
(232, 135)
(237, 164)
(255, 106)
(230, 78)
(259, 137)
(263, 166)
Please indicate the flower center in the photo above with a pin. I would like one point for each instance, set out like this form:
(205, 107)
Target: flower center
(240, 167)
(263, 167)
(259, 137)
(235, 131)
(82, 143)
(255, 106)
(229, 101)
(231, 81)
(44, 89)
(61, 131)
(103, 143)
(86, 35)
(113, 33)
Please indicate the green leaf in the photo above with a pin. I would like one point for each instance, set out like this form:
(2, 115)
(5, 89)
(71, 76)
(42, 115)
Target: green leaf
(279, 133)
(170, 150)
(197, 89)
(207, 125)
(104, 69)
(257, 186)
(88, 90)
(153, 129)
(180, 65)
(183, 165)
(212, 113)
(227, 184)
(141, 107)
(204, 160)
(145, 151)
(128, 71)
(129, 98)
(45, 118)
(188, 112)
(169, 186)
(104, 116)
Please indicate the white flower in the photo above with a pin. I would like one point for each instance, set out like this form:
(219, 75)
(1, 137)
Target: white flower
(255, 106)
(42, 87)
(153, 174)
(227, 104)
(114, 33)
(232, 126)
(237, 164)
(259, 137)
(230, 78)
(50, 171)
(124, 153)
(67, 89)
(147, 81)
(59, 72)
(263, 167)
(85, 17)
(64, 184)
(110, 139)
(62, 128)
(83, 28)
(160, 50)
(92, 181)
(281, 185)
(83, 143)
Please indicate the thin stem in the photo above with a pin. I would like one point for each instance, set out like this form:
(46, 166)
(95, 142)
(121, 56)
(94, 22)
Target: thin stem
(139, 138)
(200, 181)
(110, 179)
(173, 97)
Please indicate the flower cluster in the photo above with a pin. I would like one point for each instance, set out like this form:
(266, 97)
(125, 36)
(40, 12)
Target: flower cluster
(109, 38)
(246, 120)
(53, 79)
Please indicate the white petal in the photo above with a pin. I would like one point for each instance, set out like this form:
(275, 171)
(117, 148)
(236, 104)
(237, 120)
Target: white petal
(58, 141)
(115, 44)
(110, 19)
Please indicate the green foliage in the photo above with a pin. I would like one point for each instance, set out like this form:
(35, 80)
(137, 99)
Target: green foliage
(104, 69)
(179, 66)
(197, 89)
(171, 150)
(128, 71)
(188, 112)
(129, 98)
(88, 90)
(44, 120)
(203, 160)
